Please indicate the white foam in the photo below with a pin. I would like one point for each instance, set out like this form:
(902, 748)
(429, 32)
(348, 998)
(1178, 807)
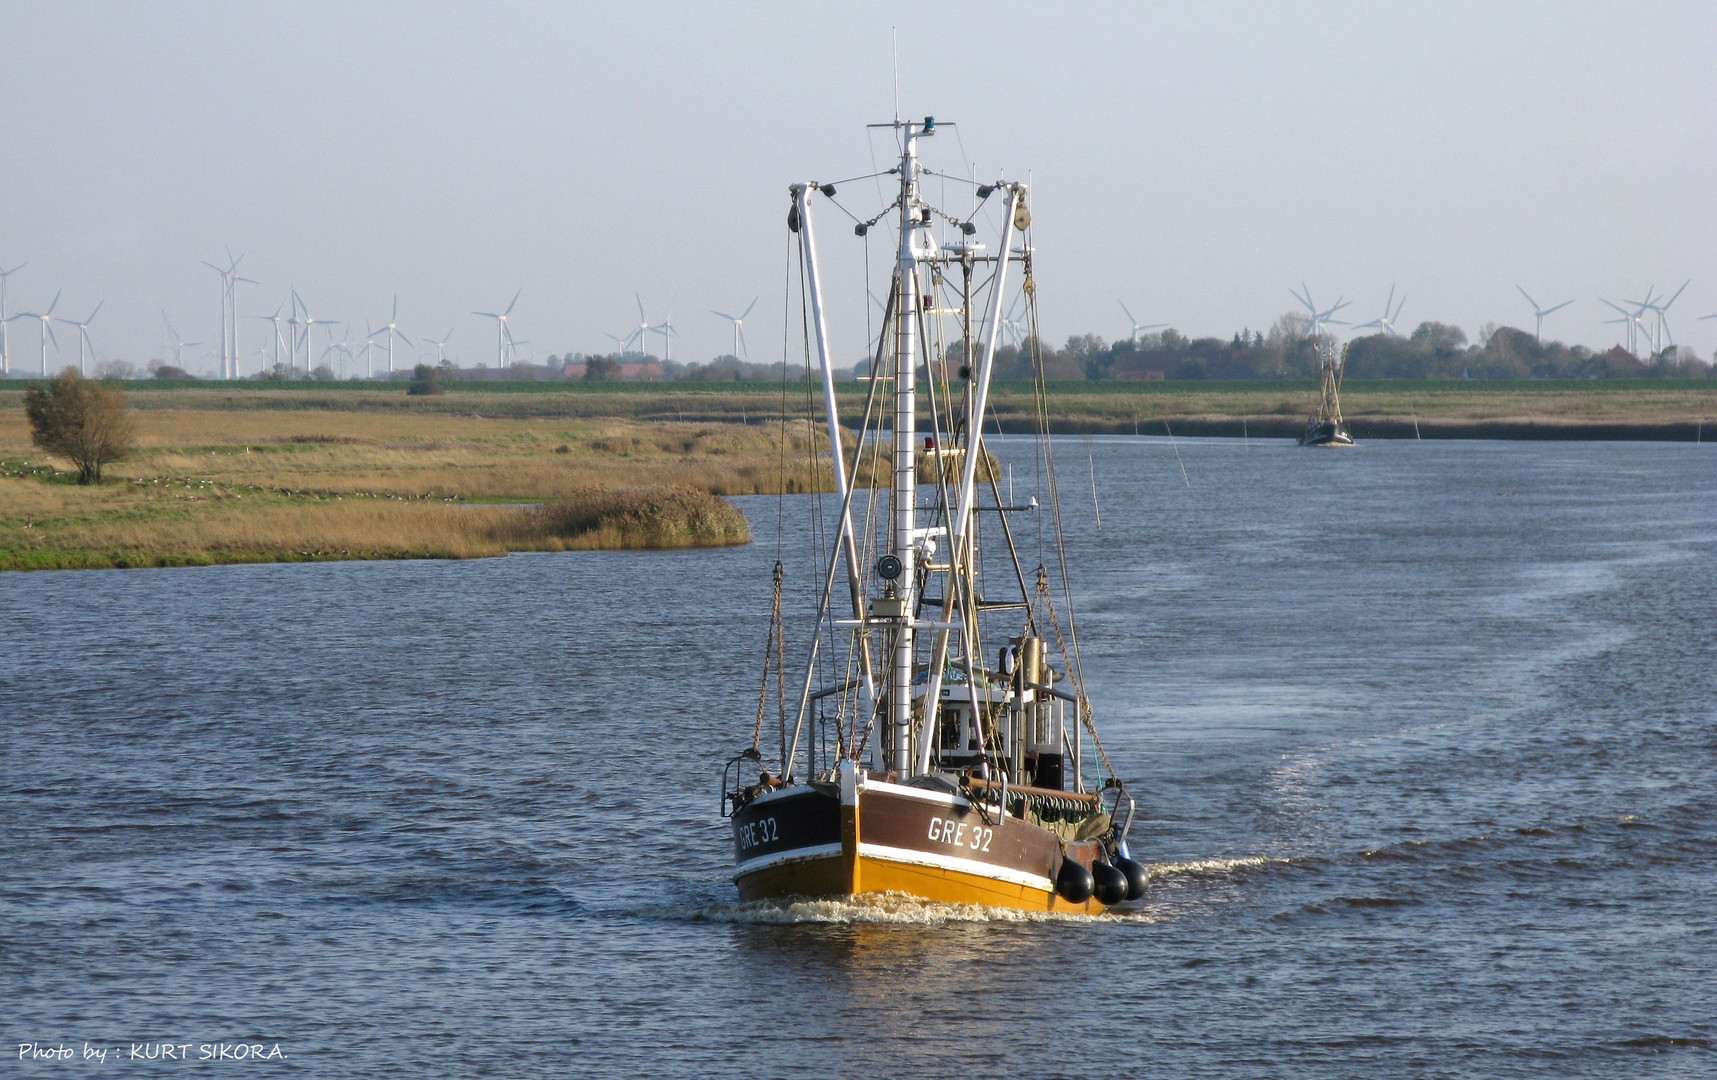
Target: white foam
(1209, 866)
(880, 909)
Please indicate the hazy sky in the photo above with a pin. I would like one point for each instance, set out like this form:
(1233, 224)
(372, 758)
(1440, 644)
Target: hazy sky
(1194, 160)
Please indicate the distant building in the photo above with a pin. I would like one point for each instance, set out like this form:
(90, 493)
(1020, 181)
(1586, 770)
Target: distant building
(1134, 367)
(1623, 362)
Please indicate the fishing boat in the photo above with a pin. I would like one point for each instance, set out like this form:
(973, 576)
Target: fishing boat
(938, 742)
(1326, 427)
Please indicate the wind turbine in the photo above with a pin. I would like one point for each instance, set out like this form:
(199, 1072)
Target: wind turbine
(1137, 325)
(180, 345)
(292, 325)
(440, 346)
(1015, 329)
(1386, 321)
(226, 300)
(342, 347)
(5, 346)
(666, 329)
(1538, 313)
(83, 334)
(643, 327)
(236, 282)
(391, 329)
(309, 323)
(1320, 319)
(47, 331)
(273, 320)
(1662, 311)
(1632, 319)
(1643, 306)
(327, 349)
(369, 348)
(229, 312)
(738, 322)
(503, 334)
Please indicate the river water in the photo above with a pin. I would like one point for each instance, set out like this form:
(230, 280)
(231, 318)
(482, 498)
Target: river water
(1424, 737)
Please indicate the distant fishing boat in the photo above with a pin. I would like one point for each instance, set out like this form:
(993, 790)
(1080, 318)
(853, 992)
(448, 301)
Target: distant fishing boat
(939, 742)
(1326, 427)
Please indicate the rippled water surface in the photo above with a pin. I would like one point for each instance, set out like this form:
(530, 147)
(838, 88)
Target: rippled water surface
(1424, 734)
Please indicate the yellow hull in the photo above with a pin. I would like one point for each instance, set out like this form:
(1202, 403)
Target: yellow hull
(885, 838)
(834, 876)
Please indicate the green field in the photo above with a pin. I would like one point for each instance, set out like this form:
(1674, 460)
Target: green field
(1570, 409)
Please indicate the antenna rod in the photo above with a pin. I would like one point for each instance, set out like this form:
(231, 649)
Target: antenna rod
(894, 50)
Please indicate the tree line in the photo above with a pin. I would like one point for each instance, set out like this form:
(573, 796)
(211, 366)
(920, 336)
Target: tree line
(1433, 350)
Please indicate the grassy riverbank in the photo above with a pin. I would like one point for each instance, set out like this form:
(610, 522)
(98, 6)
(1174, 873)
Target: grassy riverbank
(1642, 409)
(1639, 409)
(222, 486)
(249, 473)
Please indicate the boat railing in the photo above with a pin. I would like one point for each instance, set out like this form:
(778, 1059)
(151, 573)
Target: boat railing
(1037, 797)
(734, 793)
(1123, 828)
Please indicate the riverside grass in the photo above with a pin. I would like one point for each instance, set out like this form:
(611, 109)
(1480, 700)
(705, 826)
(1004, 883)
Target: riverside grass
(1613, 408)
(266, 486)
(228, 472)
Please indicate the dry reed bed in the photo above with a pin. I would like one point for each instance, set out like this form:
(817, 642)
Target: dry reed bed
(217, 487)
(56, 526)
(448, 457)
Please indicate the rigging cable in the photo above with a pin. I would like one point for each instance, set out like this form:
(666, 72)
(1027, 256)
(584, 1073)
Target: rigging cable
(772, 652)
(1075, 663)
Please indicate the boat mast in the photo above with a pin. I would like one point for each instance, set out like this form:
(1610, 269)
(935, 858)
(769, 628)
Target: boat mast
(1329, 405)
(960, 529)
(913, 235)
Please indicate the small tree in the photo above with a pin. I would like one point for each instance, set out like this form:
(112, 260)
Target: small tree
(425, 380)
(601, 369)
(81, 420)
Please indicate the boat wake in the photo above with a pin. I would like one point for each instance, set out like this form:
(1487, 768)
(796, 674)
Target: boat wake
(1209, 867)
(883, 909)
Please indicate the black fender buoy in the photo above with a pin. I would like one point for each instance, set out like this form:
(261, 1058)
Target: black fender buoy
(1110, 883)
(1073, 882)
(1136, 877)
